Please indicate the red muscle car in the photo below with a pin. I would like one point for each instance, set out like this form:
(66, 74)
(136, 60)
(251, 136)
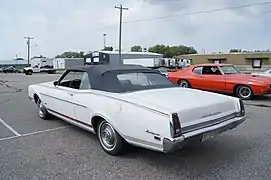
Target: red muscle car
(224, 78)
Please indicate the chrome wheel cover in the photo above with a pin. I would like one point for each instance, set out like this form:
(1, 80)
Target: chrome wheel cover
(244, 92)
(107, 136)
(41, 109)
(184, 84)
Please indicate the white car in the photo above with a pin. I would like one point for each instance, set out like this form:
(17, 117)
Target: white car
(131, 104)
(163, 71)
(266, 73)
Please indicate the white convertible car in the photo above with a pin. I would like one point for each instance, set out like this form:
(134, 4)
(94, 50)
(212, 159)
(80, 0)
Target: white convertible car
(131, 104)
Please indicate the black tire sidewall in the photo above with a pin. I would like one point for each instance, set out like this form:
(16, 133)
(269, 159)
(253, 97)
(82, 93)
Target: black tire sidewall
(118, 149)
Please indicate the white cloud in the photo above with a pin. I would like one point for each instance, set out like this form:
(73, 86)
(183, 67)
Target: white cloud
(61, 25)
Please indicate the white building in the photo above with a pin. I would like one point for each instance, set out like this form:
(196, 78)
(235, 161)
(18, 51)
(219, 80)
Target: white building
(112, 57)
(11, 62)
(65, 63)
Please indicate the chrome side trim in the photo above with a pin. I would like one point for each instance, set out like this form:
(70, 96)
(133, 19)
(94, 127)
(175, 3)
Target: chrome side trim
(72, 122)
(63, 100)
(119, 99)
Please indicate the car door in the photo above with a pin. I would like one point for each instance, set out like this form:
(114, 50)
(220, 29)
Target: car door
(212, 79)
(83, 101)
(36, 69)
(196, 81)
(61, 99)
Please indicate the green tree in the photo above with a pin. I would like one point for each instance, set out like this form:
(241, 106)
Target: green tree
(235, 50)
(136, 48)
(41, 56)
(171, 51)
(71, 54)
(108, 48)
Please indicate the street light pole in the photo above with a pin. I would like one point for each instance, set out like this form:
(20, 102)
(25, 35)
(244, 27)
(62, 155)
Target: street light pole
(121, 8)
(28, 48)
(104, 34)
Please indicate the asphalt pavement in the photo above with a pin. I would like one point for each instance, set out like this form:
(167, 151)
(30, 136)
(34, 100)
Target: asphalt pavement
(31, 148)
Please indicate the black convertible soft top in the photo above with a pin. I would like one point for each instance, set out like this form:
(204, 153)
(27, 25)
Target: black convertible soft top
(101, 69)
(104, 77)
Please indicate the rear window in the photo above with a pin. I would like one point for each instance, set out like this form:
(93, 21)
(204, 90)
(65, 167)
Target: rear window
(131, 80)
(143, 80)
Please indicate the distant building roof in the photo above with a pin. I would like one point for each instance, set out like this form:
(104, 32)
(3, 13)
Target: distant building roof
(13, 62)
(232, 53)
(130, 52)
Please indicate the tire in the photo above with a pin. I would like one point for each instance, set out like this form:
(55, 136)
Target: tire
(244, 92)
(29, 72)
(111, 142)
(184, 83)
(42, 111)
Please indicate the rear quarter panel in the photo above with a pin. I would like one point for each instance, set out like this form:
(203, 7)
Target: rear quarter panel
(130, 120)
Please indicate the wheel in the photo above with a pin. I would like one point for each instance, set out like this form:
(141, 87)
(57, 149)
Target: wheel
(184, 83)
(111, 142)
(42, 111)
(244, 92)
(29, 72)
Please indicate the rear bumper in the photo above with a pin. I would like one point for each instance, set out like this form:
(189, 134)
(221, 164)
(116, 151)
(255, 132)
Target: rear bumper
(171, 145)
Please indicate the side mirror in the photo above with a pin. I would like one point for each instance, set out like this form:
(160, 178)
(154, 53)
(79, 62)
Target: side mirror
(55, 83)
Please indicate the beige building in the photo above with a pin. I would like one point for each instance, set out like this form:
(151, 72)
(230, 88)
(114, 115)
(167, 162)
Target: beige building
(247, 60)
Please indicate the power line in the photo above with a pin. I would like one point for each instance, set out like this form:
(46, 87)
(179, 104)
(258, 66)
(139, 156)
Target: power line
(187, 14)
(28, 47)
(200, 12)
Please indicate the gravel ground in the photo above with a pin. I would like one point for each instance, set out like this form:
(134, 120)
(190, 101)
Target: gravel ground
(56, 150)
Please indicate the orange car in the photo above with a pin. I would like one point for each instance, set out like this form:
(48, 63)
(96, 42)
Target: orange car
(224, 78)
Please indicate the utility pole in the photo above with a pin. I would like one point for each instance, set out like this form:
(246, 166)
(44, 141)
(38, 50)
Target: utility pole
(104, 34)
(28, 47)
(121, 9)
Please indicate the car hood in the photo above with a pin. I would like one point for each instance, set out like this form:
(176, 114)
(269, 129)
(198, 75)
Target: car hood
(178, 99)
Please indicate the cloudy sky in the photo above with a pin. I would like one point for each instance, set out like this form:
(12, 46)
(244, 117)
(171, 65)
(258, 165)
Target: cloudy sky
(78, 25)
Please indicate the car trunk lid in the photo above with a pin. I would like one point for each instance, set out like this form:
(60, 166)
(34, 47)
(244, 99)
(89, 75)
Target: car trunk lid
(192, 106)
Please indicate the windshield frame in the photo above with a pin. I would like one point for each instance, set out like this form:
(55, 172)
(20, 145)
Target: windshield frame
(223, 71)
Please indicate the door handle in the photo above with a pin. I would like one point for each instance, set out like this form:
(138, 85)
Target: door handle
(70, 94)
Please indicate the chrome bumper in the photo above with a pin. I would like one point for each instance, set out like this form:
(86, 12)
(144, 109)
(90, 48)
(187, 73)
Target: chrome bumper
(31, 99)
(173, 144)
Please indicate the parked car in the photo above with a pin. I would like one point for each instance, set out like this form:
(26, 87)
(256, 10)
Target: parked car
(11, 69)
(224, 78)
(132, 104)
(266, 73)
(163, 70)
(1, 69)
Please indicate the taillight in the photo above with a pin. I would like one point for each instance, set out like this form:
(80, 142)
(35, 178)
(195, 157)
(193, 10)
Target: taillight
(242, 111)
(176, 126)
